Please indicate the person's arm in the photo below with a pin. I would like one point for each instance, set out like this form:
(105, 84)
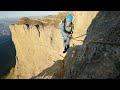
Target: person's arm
(60, 25)
(61, 28)
(72, 29)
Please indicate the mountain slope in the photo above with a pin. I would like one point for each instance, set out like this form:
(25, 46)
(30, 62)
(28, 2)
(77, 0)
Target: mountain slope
(98, 59)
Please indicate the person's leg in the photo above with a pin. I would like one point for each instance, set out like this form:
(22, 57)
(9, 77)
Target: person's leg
(68, 42)
(65, 44)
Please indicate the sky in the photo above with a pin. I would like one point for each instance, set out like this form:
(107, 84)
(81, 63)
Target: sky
(26, 13)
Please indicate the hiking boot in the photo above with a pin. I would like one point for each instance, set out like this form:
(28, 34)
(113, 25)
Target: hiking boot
(65, 50)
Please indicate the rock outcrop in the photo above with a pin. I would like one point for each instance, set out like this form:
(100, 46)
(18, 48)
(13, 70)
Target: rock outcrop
(99, 59)
(39, 45)
(36, 49)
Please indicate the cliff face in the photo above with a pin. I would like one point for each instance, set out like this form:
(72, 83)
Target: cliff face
(39, 45)
(36, 50)
(98, 59)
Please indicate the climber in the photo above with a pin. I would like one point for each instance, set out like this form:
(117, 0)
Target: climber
(67, 27)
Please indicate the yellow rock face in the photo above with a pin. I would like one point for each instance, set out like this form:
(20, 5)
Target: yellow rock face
(38, 49)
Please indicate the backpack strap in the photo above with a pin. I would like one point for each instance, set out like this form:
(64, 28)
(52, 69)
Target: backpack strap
(64, 26)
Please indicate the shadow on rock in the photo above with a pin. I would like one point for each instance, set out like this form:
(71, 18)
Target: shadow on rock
(7, 57)
(56, 71)
(70, 58)
(53, 72)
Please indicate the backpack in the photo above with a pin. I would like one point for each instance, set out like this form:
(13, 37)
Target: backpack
(70, 27)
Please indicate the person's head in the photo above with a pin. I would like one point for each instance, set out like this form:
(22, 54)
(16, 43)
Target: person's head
(69, 19)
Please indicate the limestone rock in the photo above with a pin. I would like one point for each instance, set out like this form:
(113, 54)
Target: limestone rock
(97, 60)
(39, 50)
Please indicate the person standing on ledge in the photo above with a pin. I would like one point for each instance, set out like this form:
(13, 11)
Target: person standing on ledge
(67, 27)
